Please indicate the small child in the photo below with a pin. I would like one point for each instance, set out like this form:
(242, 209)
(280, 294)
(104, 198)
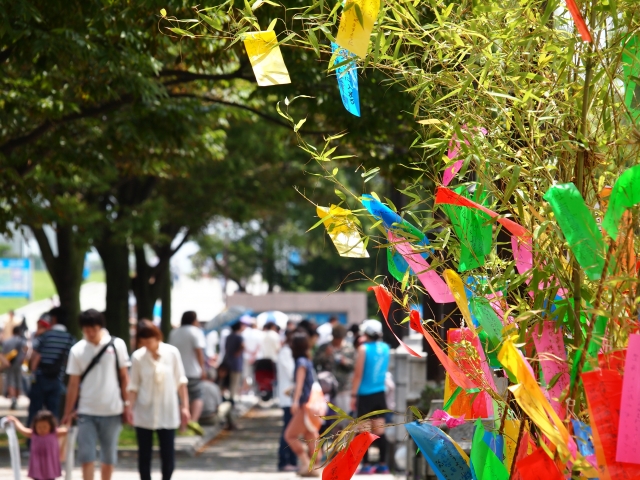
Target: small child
(44, 461)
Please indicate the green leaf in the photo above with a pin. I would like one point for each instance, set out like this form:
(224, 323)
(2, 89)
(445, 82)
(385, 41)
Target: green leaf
(299, 125)
(416, 412)
(359, 15)
(452, 398)
(163, 12)
(182, 32)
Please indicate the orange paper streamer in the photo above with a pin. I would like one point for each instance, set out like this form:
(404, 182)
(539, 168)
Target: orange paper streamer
(346, 462)
(448, 197)
(457, 375)
(538, 466)
(579, 21)
(604, 397)
(384, 302)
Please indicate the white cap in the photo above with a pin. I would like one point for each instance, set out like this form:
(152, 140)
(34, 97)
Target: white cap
(371, 327)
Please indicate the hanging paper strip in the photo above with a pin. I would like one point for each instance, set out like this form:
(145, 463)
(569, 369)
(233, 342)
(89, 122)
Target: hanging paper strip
(396, 264)
(578, 226)
(343, 231)
(579, 21)
(584, 437)
(486, 317)
(353, 34)
(603, 389)
(449, 365)
(523, 253)
(445, 457)
(538, 466)
(623, 251)
(385, 299)
(434, 284)
(629, 426)
(391, 220)
(525, 448)
(347, 76)
(484, 461)
(454, 282)
(346, 462)
(448, 197)
(631, 71)
(531, 399)
(553, 361)
(266, 58)
(452, 153)
(625, 194)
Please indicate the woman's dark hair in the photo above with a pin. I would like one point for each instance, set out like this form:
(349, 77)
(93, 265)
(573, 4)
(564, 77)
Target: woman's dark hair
(236, 326)
(147, 329)
(44, 416)
(308, 327)
(91, 318)
(188, 318)
(299, 344)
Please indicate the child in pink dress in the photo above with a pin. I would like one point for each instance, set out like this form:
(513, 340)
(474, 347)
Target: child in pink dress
(44, 460)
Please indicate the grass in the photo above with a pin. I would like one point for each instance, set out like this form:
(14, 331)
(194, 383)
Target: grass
(43, 288)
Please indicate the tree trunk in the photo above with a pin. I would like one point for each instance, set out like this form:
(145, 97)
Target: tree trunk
(115, 258)
(146, 294)
(65, 269)
(166, 302)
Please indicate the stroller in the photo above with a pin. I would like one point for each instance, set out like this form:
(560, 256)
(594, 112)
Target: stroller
(265, 374)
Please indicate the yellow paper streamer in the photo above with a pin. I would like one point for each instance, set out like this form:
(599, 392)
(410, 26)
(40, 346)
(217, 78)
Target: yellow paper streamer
(266, 58)
(457, 288)
(531, 399)
(353, 35)
(343, 231)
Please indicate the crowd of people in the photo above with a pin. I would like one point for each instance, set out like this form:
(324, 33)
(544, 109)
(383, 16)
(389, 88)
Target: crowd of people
(163, 387)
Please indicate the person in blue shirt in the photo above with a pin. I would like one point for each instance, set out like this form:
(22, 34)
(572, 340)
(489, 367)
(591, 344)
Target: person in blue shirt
(368, 390)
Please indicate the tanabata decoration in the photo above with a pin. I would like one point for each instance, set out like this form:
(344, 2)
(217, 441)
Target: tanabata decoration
(347, 76)
(266, 58)
(629, 425)
(445, 457)
(603, 389)
(385, 300)
(343, 231)
(584, 441)
(456, 286)
(522, 253)
(553, 361)
(579, 21)
(625, 194)
(396, 264)
(579, 227)
(530, 398)
(624, 249)
(538, 466)
(346, 461)
(631, 71)
(452, 153)
(440, 418)
(353, 32)
(434, 284)
(485, 461)
(487, 318)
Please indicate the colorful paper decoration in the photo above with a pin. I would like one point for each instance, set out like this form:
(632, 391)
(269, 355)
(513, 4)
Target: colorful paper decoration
(352, 34)
(343, 231)
(538, 466)
(266, 58)
(345, 463)
(629, 425)
(553, 361)
(579, 21)
(578, 226)
(445, 457)
(454, 282)
(484, 461)
(347, 76)
(440, 417)
(487, 318)
(630, 69)
(625, 194)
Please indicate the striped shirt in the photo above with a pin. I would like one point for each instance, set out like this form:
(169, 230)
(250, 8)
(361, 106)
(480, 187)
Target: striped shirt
(53, 347)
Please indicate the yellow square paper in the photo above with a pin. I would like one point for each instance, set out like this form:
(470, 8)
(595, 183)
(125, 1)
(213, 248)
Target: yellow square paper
(266, 58)
(353, 35)
(343, 232)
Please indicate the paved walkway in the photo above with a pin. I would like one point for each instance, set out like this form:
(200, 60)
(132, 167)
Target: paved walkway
(249, 453)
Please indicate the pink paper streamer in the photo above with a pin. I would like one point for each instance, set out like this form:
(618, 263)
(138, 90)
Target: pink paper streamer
(454, 150)
(553, 361)
(495, 300)
(523, 253)
(441, 417)
(434, 284)
(629, 425)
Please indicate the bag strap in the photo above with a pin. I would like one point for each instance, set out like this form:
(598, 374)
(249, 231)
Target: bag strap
(96, 359)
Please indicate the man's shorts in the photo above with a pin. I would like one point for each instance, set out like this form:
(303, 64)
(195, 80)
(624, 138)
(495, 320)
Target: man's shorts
(14, 376)
(194, 390)
(371, 403)
(103, 430)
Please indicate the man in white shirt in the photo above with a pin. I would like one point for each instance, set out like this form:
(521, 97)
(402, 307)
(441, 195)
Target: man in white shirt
(189, 340)
(211, 348)
(98, 364)
(270, 342)
(252, 342)
(286, 365)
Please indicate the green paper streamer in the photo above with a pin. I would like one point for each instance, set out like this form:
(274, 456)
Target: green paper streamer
(473, 229)
(631, 68)
(393, 269)
(487, 318)
(625, 194)
(452, 398)
(484, 462)
(579, 227)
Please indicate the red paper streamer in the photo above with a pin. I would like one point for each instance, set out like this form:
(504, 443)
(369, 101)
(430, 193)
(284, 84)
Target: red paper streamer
(538, 466)
(384, 299)
(346, 462)
(579, 21)
(448, 197)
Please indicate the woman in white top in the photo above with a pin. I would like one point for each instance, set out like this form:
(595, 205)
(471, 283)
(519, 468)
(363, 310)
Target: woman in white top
(157, 380)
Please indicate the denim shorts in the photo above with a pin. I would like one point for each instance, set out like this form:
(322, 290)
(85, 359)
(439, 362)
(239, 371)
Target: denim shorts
(93, 430)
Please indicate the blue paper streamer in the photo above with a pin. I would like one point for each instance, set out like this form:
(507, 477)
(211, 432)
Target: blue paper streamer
(347, 76)
(439, 451)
